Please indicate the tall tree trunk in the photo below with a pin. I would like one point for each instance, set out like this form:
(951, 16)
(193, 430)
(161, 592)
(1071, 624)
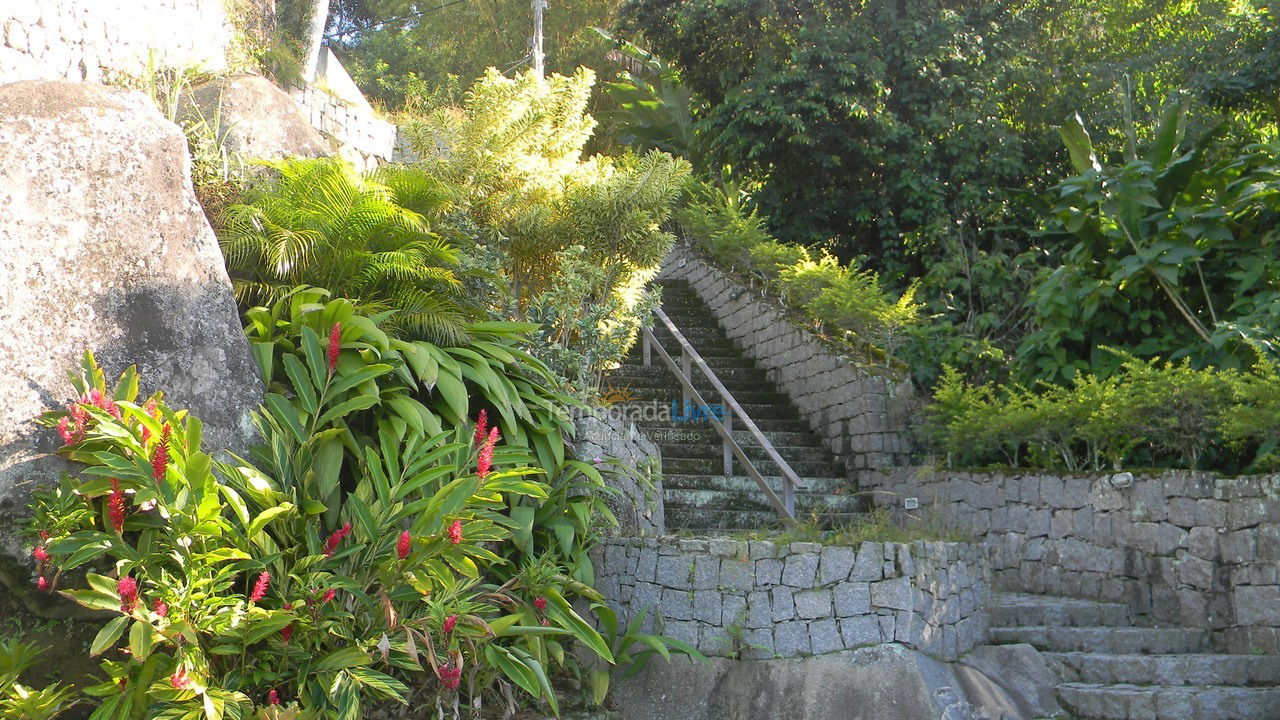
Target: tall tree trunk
(315, 37)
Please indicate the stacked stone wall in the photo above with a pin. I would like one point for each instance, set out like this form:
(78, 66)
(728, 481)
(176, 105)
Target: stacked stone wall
(861, 415)
(1180, 548)
(92, 40)
(637, 503)
(760, 599)
(363, 138)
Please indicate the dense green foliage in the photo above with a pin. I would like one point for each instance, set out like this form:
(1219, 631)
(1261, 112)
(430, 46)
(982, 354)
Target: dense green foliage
(369, 239)
(1146, 413)
(574, 239)
(22, 702)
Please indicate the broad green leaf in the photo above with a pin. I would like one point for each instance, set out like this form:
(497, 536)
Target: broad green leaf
(109, 634)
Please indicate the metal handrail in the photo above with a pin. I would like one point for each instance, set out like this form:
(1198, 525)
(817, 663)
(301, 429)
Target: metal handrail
(689, 358)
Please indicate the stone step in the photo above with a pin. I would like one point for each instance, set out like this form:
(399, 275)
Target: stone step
(1135, 702)
(710, 451)
(706, 466)
(1243, 670)
(660, 372)
(708, 436)
(1021, 609)
(667, 381)
(766, 425)
(719, 363)
(755, 411)
(721, 521)
(1111, 640)
(706, 500)
(667, 394)
(743, 483)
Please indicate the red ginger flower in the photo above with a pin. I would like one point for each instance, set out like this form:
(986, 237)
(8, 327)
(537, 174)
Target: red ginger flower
(449, 624)
(273, 697)
(160, 607)
(455, 532)
(482, 427)
(78, 417)
(116, 506)
(127, 588)
(102, 402)
(450, 676)
(42, 584)
(335, 538)
(180, 679)
(160, 456)
(328, 596)
(40, 554)
(403, 545)
(485, 463)
(260, 587)
(335, 344)
(286, 633)
(540, 603)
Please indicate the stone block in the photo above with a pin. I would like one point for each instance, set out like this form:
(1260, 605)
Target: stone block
(784, 606)
(858, 631)
(728, 548)
(835, 563)
(811, 604)
(757, 644)
(791, 639)
(869, 565)
(759, 611)
(706, 606)
(675, 571)
(676, 605)
(768, 572)
(824, 637)
(706, 572)
(1257, 605)
(737, 575)
(852, 598)
(800, 570)
(894, 594)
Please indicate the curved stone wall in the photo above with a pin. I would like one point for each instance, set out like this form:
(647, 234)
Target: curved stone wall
(760, 599)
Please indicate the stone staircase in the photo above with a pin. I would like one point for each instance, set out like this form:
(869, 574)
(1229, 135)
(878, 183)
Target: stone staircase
(697, 495)
(1113, 668)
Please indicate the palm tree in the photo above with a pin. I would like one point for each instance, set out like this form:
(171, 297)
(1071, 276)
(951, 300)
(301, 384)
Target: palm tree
(366, 238)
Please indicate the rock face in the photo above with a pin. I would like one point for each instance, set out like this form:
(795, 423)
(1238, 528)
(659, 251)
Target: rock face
(254, 118)
(884, 682)
(104, 248)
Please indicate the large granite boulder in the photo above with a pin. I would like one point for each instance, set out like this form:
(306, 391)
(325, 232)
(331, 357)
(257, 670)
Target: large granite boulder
(104, 248)
(254, 118)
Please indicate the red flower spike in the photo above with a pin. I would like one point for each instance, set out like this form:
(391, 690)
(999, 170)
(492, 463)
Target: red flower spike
(329, 596)
(455, 532)
(482, 427)
(160, 607)
(180, 680)
(449, 624)
(260, 587)
(403, 545)
(485, 462)
(116, 506)
(540, 603)
(42, 584)
(273, 697)
(64, 430)
(335, 345)
(160, 457)
(40, 554)
(127, 588)
(335, 539)
(450, 676)
(286, 633)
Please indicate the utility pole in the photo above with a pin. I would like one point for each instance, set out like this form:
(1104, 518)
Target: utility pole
(536, 52)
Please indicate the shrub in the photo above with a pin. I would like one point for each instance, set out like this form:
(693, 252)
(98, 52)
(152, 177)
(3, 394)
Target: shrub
(239, 586)
(20, 702)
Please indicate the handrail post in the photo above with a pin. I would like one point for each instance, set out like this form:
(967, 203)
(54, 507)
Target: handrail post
(728, 451)
(686, 369)
(646, 346)
(789, 496)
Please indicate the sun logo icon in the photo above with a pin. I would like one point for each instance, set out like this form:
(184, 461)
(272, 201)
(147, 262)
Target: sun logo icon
(616, 395)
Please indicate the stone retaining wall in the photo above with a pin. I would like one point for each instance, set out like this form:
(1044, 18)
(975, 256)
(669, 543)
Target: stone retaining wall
(80, 40)
(758, 599)
(1180, 548)
(860, 416)
(337, 108)
(638, 504)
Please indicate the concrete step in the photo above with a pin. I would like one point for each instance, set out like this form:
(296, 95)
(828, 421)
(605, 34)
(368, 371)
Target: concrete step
(743, 483)
(1171, 670)
(1111, 640)
(720, 521)
(704, 435)
(708, 500)
(657, 371)
(719, 362)
(714, 450)
(709, 466)
(1020, 609)
(766, 425)
(1194, 702)
(668, 383)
